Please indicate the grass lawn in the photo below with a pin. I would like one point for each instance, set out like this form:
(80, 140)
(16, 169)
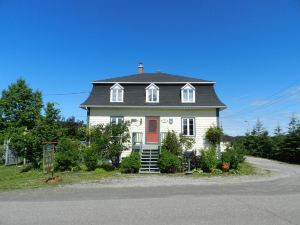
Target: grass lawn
(12, 179)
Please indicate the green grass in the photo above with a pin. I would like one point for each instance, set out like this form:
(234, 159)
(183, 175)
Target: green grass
(246, 168)
(12, 179)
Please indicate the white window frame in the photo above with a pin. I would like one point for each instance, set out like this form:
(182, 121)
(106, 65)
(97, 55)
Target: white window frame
(116, 87)
(188, 126)
(149, 91)
(119, 119)
(188, 87)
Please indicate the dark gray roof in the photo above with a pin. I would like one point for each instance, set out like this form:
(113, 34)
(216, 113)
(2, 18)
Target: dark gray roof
(155, 78)
(169, 96)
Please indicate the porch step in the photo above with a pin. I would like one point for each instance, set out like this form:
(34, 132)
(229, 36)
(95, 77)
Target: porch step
(149, 159)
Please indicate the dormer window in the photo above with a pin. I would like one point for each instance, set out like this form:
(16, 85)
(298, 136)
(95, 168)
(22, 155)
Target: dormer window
(116, 93)
(188, 93)
(152, 93)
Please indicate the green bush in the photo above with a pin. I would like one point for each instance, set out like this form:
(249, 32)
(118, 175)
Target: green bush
(216, 172)
(107, 166)
(26, 168)
(208, 159)
(233, 156)
(132, 163)
(67, 154)
(172, 144)
(168, 162)
(90, 158)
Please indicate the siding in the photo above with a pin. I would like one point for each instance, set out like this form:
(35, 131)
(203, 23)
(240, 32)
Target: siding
(204, 118)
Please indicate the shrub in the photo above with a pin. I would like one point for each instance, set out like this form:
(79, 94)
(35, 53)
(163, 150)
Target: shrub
(208, 159)
(67, 154)
(131, 164)
(90, 158)
(172, 144)
(26, 168)
(233, 156)
(168, 162)
(107, 167)
(216, 172)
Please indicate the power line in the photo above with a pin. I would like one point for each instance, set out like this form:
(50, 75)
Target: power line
(68, 93)
(269, 100)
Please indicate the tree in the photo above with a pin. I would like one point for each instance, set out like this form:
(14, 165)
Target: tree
(278, 140)
(73, 128)
(48, 128)
(259, 129)
(294, 124)
(258, 142)
(278, 131)
(20, 106)
(291, 147)
(118, 135)
(110, 140)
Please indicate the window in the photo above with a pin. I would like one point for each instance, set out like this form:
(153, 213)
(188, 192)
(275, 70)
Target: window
(116, 119)
(116, 93)
(188, 126)
(152, 93)
(187, 93)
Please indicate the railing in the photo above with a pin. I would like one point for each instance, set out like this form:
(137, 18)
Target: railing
(137, 138)
(162, 136)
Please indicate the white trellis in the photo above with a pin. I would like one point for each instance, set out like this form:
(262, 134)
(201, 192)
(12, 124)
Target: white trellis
(10, 157)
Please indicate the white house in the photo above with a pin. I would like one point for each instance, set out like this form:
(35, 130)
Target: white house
(155, 103)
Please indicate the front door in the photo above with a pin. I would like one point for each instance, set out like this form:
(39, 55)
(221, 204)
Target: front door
(152, 129)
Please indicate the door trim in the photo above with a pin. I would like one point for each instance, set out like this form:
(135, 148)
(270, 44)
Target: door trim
(158, 129)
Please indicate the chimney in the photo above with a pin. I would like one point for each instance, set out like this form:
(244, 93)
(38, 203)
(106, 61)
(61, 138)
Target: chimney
(141, 68)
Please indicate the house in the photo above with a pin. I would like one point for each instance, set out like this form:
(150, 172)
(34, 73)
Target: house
(155, 103)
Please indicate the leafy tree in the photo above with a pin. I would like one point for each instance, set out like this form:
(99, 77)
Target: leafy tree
(48, 128)
(74, 129)
(117, 135)
(110, 141)
(20, 106)
(67, 154)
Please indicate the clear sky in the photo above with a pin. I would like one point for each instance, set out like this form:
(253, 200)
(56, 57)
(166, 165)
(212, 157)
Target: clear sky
(250, 48)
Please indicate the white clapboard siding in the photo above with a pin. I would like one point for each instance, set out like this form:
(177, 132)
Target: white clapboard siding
(204, 118)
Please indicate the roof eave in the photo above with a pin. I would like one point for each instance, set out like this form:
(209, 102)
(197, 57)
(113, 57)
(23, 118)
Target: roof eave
(151, 106)
(156, 82)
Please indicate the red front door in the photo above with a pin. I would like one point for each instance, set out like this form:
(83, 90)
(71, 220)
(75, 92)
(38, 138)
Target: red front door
(152, 129)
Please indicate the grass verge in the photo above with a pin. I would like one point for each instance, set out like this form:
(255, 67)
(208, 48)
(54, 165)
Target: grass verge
(12, 179)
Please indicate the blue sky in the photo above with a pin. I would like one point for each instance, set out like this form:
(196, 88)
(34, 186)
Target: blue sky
(250, 48)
